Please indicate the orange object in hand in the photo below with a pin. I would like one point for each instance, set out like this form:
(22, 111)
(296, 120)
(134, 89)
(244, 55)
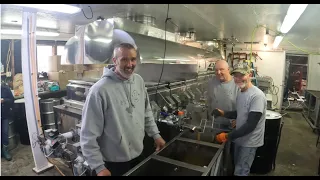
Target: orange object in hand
(222, 137)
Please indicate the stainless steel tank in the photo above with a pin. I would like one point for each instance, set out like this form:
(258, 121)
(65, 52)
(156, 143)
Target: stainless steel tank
(13, 138)
(47, 113)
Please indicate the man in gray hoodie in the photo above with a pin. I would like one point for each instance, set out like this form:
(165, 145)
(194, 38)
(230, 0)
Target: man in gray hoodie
(115, 116)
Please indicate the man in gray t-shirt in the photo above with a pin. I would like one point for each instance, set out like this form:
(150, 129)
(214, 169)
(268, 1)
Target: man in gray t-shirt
(222, 92)
(250, 114)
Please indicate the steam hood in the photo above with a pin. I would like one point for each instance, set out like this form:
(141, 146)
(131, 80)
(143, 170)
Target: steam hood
(94, 43)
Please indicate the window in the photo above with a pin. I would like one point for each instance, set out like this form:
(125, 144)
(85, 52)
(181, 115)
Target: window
(60, 50)
(43, 53)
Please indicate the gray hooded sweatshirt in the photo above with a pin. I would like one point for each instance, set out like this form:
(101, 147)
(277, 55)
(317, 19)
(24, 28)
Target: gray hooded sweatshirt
(115, 116)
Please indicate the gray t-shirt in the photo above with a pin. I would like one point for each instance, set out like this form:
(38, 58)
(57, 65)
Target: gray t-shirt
(251, 100)
(222, 95)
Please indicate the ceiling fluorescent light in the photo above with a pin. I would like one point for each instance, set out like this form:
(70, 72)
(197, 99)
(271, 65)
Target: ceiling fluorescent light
(44, 33)
(63, 8)
(277, 41)
(41, 23)
(19, 32)
(293, 14)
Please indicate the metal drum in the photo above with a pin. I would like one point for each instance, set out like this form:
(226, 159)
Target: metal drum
(13, 138)
(47, 113)
(265, 158)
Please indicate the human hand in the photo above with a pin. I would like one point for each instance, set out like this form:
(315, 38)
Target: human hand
(222, 137)
(233, 123)
(217, 112)
(104, 172)
(159, 143)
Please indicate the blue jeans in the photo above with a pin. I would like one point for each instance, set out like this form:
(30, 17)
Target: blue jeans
(243, 159)
(5, 132)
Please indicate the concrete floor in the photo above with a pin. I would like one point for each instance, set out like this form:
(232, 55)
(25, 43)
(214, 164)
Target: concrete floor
(297, 154)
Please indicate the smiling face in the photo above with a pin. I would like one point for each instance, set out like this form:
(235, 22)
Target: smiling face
(242, 80)
(242, 76)
(222, 71)
(125, 59)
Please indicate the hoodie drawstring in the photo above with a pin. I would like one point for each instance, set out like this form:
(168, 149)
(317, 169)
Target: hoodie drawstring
(128, 94)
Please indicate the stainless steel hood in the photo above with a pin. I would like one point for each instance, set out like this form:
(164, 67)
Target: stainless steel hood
(150, 41)
(83, 49)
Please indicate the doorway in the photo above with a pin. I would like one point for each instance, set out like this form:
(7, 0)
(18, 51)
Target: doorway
(295, 79)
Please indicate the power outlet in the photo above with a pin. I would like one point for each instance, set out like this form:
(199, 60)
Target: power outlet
(8, 74)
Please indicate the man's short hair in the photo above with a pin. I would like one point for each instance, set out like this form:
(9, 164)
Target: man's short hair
(123, 45)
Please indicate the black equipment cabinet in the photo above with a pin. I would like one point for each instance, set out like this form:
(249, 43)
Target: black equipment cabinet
(265, 157)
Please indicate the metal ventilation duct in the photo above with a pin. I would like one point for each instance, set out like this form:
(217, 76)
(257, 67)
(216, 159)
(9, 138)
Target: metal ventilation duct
(93, 43)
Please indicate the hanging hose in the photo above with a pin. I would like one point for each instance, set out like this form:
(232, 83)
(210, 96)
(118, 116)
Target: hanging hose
(252, 37)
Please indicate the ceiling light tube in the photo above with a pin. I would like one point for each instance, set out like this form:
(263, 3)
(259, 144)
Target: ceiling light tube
(19, 32)
(293, 14)
(63, 8)
(277, 41)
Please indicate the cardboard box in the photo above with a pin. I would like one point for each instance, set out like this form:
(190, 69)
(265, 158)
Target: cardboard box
(95, 66)
(54, 65)
(67, 68)
(93, 73)
(62, 78)
(79, 68)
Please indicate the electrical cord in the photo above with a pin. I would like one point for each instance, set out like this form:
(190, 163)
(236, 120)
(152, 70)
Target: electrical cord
(274, 91)
(165, 50)
(85, 14)
(276, 34)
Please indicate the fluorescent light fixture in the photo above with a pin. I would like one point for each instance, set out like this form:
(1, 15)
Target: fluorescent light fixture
(86, 38)
(293, 14)
(43, 33)
(19, 32)
(277, 41)
(41, 23)
(63, 8)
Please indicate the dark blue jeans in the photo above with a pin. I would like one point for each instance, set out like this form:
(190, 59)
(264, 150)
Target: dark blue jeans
(5, 132)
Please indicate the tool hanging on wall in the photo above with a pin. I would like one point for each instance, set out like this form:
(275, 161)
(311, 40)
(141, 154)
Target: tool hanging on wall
(242, 57)
(237, 56)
